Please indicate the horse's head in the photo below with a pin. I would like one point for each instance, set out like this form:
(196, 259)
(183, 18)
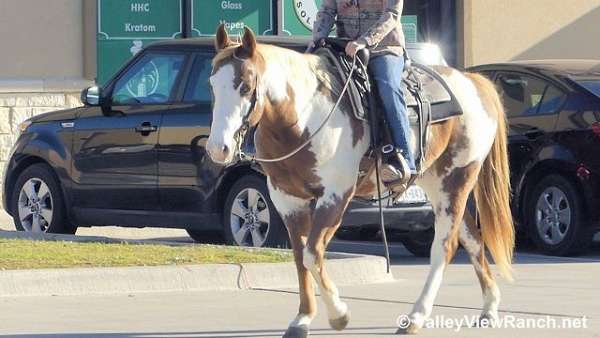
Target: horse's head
(236, 95)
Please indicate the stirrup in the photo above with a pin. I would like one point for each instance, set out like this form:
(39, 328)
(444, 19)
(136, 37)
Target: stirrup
(395, 177)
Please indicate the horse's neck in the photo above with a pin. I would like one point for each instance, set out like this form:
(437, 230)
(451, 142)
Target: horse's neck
(292, 85)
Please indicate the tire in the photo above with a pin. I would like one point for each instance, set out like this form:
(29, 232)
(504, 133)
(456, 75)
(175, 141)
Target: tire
(44, 202)
(419, 243)
(556, 219)
(260, 215)
(206, 237)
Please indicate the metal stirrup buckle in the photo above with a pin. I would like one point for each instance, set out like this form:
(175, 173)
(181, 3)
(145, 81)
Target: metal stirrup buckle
(387, 149)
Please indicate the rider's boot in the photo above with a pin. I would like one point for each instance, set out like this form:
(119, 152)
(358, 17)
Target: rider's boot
(396, 173)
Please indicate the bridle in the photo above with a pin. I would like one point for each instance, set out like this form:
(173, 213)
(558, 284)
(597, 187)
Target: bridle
(240, 134)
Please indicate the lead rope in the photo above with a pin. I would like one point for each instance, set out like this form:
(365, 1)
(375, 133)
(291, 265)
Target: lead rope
(307, 142)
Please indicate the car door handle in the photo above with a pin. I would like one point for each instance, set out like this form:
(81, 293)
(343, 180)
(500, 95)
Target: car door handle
(533, 133)
(146, 128)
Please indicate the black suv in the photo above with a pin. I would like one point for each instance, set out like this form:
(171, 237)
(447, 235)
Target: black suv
(134, 156)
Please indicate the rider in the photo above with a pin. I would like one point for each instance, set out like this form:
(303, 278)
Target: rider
(375, 24)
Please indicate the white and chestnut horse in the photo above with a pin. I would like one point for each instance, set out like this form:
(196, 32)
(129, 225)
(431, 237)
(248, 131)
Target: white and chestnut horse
(287, 95)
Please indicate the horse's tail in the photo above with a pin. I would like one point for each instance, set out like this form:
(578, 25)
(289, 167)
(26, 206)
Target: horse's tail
(492, 191)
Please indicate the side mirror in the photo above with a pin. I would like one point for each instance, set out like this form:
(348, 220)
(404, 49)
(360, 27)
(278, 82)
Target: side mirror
(92, 96)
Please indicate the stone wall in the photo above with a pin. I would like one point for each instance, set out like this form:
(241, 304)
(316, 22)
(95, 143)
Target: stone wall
(18, 103)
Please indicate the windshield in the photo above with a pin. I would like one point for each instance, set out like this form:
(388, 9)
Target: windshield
(426, 54)
(592, 86)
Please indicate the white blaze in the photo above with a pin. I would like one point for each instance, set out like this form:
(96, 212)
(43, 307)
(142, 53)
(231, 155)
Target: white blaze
(228, 112)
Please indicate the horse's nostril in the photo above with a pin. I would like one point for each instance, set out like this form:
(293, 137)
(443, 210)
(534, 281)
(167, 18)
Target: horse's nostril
(225, 150)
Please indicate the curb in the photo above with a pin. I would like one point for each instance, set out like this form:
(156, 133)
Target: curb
(344, 269)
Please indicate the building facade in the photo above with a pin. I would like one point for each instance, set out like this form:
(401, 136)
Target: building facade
(50, 50)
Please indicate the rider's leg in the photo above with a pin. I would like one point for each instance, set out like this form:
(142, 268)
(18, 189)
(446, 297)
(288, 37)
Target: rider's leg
(386, 71)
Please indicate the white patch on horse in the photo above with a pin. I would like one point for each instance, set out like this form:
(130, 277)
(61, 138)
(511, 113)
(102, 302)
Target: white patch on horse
(228, 110)
(301, 320)
(491, 302)
(470, 243)
(331, 297)
(474, 120)
(309, 260)
(285, 204)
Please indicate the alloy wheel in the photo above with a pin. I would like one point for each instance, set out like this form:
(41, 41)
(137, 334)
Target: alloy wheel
(553, 215)
(35, 206)
(250, 218)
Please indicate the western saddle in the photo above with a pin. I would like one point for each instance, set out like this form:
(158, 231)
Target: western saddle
(428, 97)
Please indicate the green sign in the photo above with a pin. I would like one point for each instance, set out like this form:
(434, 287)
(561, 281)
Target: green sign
(126, 26)
(410, 27)
(257, 15)
(298, 18)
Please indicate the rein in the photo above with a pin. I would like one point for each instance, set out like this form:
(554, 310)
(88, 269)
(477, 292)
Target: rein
(240, 134)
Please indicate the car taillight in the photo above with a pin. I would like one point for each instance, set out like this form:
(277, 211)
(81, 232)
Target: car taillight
(596, 128)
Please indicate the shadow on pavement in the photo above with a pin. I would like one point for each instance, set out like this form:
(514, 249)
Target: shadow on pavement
(363, 331)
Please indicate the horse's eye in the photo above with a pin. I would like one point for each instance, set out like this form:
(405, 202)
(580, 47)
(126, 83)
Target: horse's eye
(244, 89)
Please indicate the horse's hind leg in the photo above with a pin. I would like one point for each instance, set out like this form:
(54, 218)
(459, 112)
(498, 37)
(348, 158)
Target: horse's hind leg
(470, 238)
(448, 195)
(326, 219)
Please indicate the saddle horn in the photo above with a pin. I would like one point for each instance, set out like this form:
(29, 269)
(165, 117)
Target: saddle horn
(364, 55)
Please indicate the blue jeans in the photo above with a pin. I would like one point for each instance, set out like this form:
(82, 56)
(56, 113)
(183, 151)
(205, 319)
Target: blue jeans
(386, 71)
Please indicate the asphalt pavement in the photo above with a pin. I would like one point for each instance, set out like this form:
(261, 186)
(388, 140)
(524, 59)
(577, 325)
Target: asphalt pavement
(549, 298)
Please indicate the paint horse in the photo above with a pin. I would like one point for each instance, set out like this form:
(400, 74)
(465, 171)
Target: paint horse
(287, 96)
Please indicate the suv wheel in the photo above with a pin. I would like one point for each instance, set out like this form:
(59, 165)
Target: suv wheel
(555, 217)
(37, 202)
(250, 216)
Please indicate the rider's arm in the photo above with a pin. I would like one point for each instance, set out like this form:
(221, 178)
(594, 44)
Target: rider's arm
(388, 21)
(325, 20)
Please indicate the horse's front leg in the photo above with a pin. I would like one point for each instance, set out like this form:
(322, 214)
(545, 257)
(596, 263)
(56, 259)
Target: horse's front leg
(296, 214)
(298, 224)
(327, 218)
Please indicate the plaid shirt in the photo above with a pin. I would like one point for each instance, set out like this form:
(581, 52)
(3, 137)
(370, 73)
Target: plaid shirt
(376, 23)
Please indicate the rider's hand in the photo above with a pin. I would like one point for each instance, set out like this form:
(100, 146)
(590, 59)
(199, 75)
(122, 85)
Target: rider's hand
(353, 47)
(311, 47)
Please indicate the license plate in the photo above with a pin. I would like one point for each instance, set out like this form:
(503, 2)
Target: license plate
(414, 194)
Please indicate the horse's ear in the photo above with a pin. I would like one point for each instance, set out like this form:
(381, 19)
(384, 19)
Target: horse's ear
(249, 42)
(222, 40)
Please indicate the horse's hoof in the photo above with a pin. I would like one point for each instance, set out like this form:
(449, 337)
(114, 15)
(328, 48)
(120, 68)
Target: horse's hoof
(296, 332)
(487, 320)
(410, 329)
(340, 323)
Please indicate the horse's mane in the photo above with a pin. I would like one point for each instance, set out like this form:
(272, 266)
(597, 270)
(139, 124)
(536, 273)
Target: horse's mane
(323, 70)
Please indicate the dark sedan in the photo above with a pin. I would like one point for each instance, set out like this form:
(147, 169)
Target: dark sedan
(553, 107)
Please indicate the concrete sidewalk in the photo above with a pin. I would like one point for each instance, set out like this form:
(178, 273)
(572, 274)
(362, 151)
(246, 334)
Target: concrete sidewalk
(351, 269)
(561, 292)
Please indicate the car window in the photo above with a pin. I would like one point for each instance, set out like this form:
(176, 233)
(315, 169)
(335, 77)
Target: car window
(552, 101)
(522, 95)
(150, 80)
(197, 88)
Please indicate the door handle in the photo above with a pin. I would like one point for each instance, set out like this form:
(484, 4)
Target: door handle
(146, 128)
(534, 133)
